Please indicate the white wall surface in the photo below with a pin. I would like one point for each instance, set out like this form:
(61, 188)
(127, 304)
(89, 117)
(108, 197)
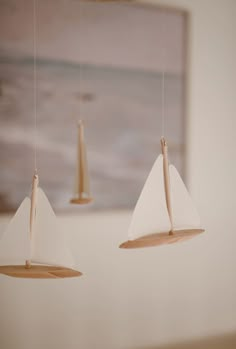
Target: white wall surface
(139, 299)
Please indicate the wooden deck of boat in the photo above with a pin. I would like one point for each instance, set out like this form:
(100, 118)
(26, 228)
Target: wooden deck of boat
(161, 238)
(38, 272)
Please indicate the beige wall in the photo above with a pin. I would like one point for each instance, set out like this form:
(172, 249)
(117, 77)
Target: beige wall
(138, 299)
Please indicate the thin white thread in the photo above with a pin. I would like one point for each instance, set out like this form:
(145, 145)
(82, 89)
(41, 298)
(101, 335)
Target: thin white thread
(78, 117)
(35, 83)
(80, 65)
(163, 76)
(163, 103)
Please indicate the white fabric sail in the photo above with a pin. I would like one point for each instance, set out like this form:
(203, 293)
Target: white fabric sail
(15, 242)
(185, 215)
(150, 214)
(48, 243)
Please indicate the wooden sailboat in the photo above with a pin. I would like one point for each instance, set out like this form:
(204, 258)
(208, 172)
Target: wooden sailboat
(33, 245)
(82, 190)
(164, 213)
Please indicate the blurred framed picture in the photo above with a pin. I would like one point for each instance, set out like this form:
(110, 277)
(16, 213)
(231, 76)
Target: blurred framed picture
(100, 62)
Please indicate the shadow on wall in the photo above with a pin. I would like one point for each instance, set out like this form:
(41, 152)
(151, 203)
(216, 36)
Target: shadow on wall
(227, 341)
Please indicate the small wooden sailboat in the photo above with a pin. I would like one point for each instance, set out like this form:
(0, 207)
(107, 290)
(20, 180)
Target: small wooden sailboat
(82, 190)
(164, 213)
(33, 237)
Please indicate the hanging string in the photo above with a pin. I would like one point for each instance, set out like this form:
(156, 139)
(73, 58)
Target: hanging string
(163, 103)
(163, 75)
(79, 64)
(35, 81)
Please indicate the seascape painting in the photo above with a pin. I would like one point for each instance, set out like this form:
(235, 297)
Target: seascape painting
(118, 98)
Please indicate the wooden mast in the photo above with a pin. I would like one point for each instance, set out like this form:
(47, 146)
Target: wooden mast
(35, 183)
(81, 164)
(164, 149)
(82, 177)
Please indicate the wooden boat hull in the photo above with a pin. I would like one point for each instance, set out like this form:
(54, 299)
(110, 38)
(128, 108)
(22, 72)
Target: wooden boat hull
(38, 272)
(81, 201)
(161, 239)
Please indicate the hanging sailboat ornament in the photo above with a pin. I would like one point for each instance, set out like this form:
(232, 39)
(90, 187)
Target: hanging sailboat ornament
(82, 186)
(164, 213)
(33, 245)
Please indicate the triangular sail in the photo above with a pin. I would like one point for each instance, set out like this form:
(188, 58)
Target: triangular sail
(185, 215)
(15, 242)
(48, 243)
(150, 214)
